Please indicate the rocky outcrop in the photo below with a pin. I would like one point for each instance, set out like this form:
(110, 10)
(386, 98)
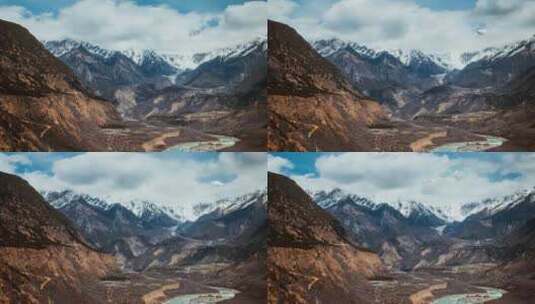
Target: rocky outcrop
(43, 105)
(42, 256)
(311, 106)
(310, 259)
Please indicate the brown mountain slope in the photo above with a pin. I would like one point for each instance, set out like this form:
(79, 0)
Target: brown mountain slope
(42, 257)
(309, 258)
(311, 105)
(42, 104)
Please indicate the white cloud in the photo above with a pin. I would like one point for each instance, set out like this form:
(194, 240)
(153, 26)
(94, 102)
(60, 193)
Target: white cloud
(405, 24)
(177, 181)
(123, 24)
(8, 163)
(438, 180)
(278, 164)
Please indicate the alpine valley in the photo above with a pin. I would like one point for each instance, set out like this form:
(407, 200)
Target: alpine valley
(72, 95)
(68, 247)
(333, 244)
(367, 99)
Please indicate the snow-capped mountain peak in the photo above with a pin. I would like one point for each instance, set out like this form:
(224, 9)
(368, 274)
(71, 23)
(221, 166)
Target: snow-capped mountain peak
(180, 61)
(61, 199)
(329, 47)
(492, 206)
(146, 209)
(409, 209)
(141, 209)
(448, 61)
(225, 206)
(61, 47)
(447, 213)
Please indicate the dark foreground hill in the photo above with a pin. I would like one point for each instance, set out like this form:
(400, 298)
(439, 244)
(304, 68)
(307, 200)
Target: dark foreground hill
(309, 258)
(42, 257)
(42, 104)
(311, 105)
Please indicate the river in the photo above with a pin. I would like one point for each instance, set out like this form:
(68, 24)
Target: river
(472, 146)
(472, 298)
(221, 143)
(222, 294)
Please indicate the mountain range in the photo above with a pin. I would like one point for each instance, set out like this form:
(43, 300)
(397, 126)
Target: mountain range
(396, 252)
(109, 73)
(99, 251)
(399, 78)
(128, 229)
(400, 231)
(129, 100)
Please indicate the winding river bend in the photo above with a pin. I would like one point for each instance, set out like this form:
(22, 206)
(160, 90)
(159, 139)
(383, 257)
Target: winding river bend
(472, 298)
(472, 146)
(222, 294)
(221, 142)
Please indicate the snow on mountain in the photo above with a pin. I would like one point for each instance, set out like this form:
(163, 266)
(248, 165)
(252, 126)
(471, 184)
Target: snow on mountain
(61, 47)
(226, 206)
(493, 205)
(406, 57)
(141, 209)
(493, 53)
(412, 208)
(451, 213)
(146, 210)
(181, 62)
(327, 200)
(449, 61)
(409, 209)
(328, 47)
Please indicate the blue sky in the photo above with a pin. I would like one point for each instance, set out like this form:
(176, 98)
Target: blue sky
(441, 178)
(170, 179)
(448, 4)
(40, 6)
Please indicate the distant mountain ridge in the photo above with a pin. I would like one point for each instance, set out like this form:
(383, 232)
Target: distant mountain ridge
(130, 229)
(481, 231)
(145, 209)
(179, 62)
(412, 83)
(448, 61)
(445, 214)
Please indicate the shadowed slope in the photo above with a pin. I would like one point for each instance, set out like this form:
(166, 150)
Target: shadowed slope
(309, 258)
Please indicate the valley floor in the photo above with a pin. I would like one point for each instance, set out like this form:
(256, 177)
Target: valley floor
(436, 286)
(160, 136)
(162, 285)
(454, 133)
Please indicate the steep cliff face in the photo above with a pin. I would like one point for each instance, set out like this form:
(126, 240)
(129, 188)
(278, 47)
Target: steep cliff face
(310, 259)
(311, 105)
(42, 257)
(43, 105)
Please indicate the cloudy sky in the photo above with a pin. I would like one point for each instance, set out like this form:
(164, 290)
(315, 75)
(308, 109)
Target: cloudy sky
(436, 179)
(168, 26)
(169, 179)
(452, 26)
